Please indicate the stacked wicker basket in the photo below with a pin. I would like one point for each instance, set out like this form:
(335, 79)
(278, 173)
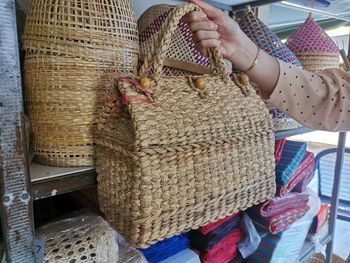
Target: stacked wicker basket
(72, 49)
(315, 50)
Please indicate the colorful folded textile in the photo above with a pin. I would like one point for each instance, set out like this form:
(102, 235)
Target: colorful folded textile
(278, 149)
(205, 242)
(278, 213)
(300, 178)
(211, 226)
(166, 248)
(292, 155)
(225, 250)
(279, 205)
(320, 219)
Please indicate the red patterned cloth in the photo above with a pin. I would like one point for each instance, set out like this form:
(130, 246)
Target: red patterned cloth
(301, 177)
(311, 38)
(225, 250)
(211, 226)
(278, 149)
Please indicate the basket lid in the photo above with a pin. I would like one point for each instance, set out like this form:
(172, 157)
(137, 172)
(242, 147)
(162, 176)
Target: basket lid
(267, 40)
(311, 38)
(182, 54)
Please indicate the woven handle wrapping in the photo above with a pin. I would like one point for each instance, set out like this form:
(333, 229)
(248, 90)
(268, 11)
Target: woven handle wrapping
(169, 27)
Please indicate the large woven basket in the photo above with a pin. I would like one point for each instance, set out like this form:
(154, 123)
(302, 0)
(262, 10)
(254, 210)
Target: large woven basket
(262, 36)
(190, 158)
(72, 49)
(315, 50)
(182, 58)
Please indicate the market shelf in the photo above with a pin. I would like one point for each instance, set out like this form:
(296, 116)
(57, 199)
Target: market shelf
(288, 133)
(49, 181)
(309, 248)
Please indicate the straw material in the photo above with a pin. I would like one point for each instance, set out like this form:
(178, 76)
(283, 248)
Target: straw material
(172, 157)
(70, 56)
(268, 41)
(80, 239)
(315, 50)
(182, 58)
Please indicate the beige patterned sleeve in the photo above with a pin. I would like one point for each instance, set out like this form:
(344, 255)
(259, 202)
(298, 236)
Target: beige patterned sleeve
(319, 101)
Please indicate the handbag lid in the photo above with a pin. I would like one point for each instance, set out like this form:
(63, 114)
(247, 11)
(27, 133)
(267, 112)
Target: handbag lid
(311, 38)
(267, 40)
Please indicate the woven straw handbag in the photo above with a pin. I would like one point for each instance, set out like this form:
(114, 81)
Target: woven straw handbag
(175, 153)
(268, 41)
(181, 58)
(315, 50)
(71, 54)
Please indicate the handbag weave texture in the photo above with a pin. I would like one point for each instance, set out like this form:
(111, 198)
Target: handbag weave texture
(173, 157)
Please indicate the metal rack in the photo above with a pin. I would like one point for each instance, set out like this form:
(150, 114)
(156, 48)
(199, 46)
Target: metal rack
(17, 189)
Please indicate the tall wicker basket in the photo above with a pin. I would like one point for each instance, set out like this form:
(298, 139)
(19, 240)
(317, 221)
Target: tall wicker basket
(315, 50)
(72, 49)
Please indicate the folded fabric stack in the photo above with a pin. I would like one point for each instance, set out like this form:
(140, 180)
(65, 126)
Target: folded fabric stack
(292, 155)
(166, 248)
(280, 212)
(217, 242)
(300, 179)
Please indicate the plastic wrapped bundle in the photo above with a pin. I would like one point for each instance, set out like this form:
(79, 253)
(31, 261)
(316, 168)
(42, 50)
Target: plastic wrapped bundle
(264, 38)
(315, 50)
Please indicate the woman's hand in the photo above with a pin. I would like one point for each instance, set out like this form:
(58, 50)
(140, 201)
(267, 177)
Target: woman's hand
(213, 28)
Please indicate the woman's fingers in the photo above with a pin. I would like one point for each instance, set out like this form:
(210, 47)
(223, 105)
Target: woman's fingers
(211, 11)
(203, 35)
(195, 16)
(203, 25)
(203, 45)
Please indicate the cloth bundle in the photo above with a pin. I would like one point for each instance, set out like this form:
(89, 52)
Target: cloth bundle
(166, 248)
(278, 149)
(292, 155)
(217, 242)
(278, 213)
(205, 240)
(300, 178)
(320, 219)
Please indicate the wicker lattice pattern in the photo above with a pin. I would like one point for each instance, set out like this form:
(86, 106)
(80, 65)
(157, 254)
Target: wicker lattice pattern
(82, 239)
(71, 54)
(182, 47)
(173, 158)
(268, 41)
(314, 48)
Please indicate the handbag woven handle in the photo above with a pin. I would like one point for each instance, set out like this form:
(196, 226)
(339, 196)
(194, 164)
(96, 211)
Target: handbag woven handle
(169, 27)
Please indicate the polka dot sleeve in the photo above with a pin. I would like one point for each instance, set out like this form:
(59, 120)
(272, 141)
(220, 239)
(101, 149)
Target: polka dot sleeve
(319, 101)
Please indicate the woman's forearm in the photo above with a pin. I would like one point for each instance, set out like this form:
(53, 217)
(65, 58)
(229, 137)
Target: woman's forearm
(265, 73)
